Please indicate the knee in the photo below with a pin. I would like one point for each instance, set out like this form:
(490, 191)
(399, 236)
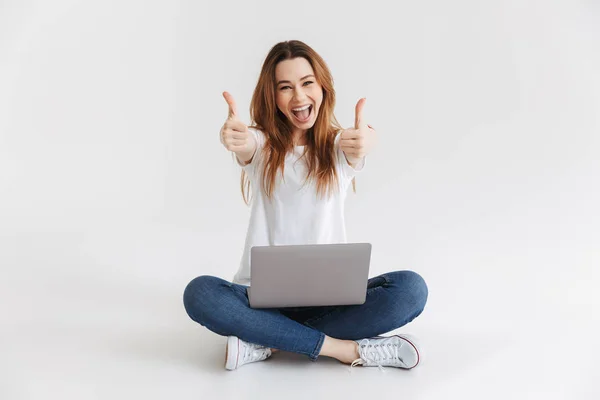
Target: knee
(196, 295)
(413, 288)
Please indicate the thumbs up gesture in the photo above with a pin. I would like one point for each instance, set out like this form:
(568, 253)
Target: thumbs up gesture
(357, 142)
(234, 134)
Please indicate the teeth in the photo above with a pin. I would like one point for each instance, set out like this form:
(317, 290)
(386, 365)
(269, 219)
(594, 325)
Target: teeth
(301, 108)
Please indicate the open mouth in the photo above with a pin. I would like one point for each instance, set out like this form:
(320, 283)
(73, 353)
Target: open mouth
(304, 115)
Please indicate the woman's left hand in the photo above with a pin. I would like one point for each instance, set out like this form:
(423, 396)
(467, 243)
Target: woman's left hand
(357, 142)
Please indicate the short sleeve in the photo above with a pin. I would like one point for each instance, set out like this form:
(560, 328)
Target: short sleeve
(255, 158)
(347, 170)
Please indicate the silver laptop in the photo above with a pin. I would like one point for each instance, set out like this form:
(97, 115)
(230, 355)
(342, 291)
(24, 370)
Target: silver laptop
(309, 275)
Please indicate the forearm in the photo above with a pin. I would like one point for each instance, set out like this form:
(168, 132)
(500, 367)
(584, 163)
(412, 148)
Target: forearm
(246, 157)
(353, 162)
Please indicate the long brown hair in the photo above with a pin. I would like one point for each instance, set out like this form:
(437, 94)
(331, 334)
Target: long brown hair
(319, 151)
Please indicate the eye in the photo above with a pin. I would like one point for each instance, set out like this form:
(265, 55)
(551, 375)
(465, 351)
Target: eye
(304, 84)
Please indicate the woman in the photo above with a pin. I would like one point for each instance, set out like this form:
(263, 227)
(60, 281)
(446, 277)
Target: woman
(297, 135)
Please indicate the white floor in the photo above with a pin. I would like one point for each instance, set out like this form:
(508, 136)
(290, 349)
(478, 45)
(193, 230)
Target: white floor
(75, 326)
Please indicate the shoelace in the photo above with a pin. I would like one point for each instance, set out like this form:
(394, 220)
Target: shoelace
(385, 349)
(253, 351)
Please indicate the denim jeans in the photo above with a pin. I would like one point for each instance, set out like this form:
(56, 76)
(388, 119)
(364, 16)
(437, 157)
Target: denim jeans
(393, 300)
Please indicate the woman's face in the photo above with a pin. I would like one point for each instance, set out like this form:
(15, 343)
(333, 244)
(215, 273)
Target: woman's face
(296, 87)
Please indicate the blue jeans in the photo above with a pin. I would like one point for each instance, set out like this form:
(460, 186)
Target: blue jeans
(393, 300)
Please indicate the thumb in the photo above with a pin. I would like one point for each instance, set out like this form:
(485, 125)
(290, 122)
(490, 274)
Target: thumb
(232, 106)
(359, 121)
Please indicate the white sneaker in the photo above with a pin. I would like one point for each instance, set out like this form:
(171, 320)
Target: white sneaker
(393, 351)
(238, 353)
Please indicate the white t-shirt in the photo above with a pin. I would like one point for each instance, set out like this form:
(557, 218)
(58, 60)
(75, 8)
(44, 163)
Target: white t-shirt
(295, 215)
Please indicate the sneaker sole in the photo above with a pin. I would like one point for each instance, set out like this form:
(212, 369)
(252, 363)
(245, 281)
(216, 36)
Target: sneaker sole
(232, 353)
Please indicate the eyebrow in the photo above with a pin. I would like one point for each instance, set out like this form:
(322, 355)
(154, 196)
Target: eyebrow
(303, 78)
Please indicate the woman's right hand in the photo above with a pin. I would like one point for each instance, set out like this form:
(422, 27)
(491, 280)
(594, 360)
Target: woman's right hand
(235, 135)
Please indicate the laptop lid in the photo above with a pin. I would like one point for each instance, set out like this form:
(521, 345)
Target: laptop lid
(309, 275)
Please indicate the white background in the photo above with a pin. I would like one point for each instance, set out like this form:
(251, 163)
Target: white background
(115, 191)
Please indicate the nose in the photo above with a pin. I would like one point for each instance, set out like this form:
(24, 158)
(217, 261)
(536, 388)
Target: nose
(299, 95)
